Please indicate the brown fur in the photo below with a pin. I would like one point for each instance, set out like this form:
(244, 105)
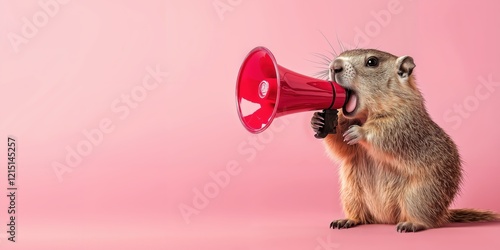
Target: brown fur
(402, 168)
(471, 215)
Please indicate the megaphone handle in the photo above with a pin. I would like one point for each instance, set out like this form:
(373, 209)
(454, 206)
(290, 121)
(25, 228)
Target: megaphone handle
(330, 123)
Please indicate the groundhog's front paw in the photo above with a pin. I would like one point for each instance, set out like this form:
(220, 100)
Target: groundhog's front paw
(354, 134)
(346, 223)
(317, 122)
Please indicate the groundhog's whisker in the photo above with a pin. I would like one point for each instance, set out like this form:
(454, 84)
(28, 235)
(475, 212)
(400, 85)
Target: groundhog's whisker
(323, 74)
(322, 64)
(341, 44)
(334, 53)
(324, 58)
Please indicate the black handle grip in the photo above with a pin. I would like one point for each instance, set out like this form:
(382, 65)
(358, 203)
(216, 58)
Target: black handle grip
(330, 116)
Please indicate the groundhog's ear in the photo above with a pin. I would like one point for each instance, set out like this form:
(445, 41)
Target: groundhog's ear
(405, 66)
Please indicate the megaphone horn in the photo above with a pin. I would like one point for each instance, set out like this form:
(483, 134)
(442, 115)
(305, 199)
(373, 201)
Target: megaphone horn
(265, 90)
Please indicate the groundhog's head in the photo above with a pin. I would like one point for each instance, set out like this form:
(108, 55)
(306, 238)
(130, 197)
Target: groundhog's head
(373, 79)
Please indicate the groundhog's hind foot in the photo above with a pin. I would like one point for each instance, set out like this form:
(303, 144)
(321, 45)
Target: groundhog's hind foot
(409, 227)
(343, 224)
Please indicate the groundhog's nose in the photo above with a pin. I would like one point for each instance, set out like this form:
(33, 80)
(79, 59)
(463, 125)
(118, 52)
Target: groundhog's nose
(337, 66)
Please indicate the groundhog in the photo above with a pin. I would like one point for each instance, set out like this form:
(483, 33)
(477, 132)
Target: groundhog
(397, 166)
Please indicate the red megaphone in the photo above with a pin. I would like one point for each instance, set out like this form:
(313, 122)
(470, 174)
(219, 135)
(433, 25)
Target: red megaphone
(266, 90)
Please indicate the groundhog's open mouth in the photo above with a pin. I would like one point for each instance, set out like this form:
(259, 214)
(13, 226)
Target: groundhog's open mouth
(352, 103)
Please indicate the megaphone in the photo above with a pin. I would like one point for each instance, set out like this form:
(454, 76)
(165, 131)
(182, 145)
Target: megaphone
(266, 90)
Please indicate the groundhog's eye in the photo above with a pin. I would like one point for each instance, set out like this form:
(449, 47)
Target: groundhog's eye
(372, 62)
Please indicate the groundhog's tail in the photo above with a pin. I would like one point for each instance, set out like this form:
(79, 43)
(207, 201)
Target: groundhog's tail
(472, 215)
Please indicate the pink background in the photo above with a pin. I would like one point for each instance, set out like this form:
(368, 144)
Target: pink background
(125, 194)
